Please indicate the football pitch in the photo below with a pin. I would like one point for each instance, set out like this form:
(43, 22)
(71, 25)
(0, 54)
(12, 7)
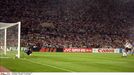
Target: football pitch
(69, 62)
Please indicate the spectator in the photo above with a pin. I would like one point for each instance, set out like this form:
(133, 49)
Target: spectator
(72, 23)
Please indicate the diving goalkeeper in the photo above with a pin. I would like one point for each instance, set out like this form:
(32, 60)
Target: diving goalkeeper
(28, 51)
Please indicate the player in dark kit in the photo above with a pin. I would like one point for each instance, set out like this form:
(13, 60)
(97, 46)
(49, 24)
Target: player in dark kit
(28, 51)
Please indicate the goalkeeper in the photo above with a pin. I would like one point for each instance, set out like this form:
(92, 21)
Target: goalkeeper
(28, 51)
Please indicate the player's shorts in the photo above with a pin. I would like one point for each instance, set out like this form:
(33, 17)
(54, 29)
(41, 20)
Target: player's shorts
(29, 52)
(128, 49)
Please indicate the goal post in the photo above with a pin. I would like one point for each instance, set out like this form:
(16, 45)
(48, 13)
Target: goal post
(10, 34)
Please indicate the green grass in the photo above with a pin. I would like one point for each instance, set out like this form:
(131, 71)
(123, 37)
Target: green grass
(70, 62)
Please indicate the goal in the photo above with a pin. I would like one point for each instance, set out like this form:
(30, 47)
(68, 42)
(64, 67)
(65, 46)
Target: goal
(10, 39)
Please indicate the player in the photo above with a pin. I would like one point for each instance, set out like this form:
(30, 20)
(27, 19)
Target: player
(133, 51)
(128, 47)
(28, 51)
(133, 48)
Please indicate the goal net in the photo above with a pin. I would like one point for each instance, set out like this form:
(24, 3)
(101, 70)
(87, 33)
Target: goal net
(10, 39)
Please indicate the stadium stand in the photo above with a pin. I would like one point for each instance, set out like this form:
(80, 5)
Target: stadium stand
(71, 23)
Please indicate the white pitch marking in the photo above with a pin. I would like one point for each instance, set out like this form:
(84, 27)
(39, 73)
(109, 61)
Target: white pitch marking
(51, 66)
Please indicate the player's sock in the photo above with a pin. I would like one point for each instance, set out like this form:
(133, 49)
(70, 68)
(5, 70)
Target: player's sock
(124, 54)
(132, 53)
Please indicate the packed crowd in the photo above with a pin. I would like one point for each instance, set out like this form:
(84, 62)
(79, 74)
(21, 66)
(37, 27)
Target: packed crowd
(71, 23)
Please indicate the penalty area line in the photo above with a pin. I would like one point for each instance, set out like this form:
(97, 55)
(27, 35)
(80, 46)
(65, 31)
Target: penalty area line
(50, 66)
